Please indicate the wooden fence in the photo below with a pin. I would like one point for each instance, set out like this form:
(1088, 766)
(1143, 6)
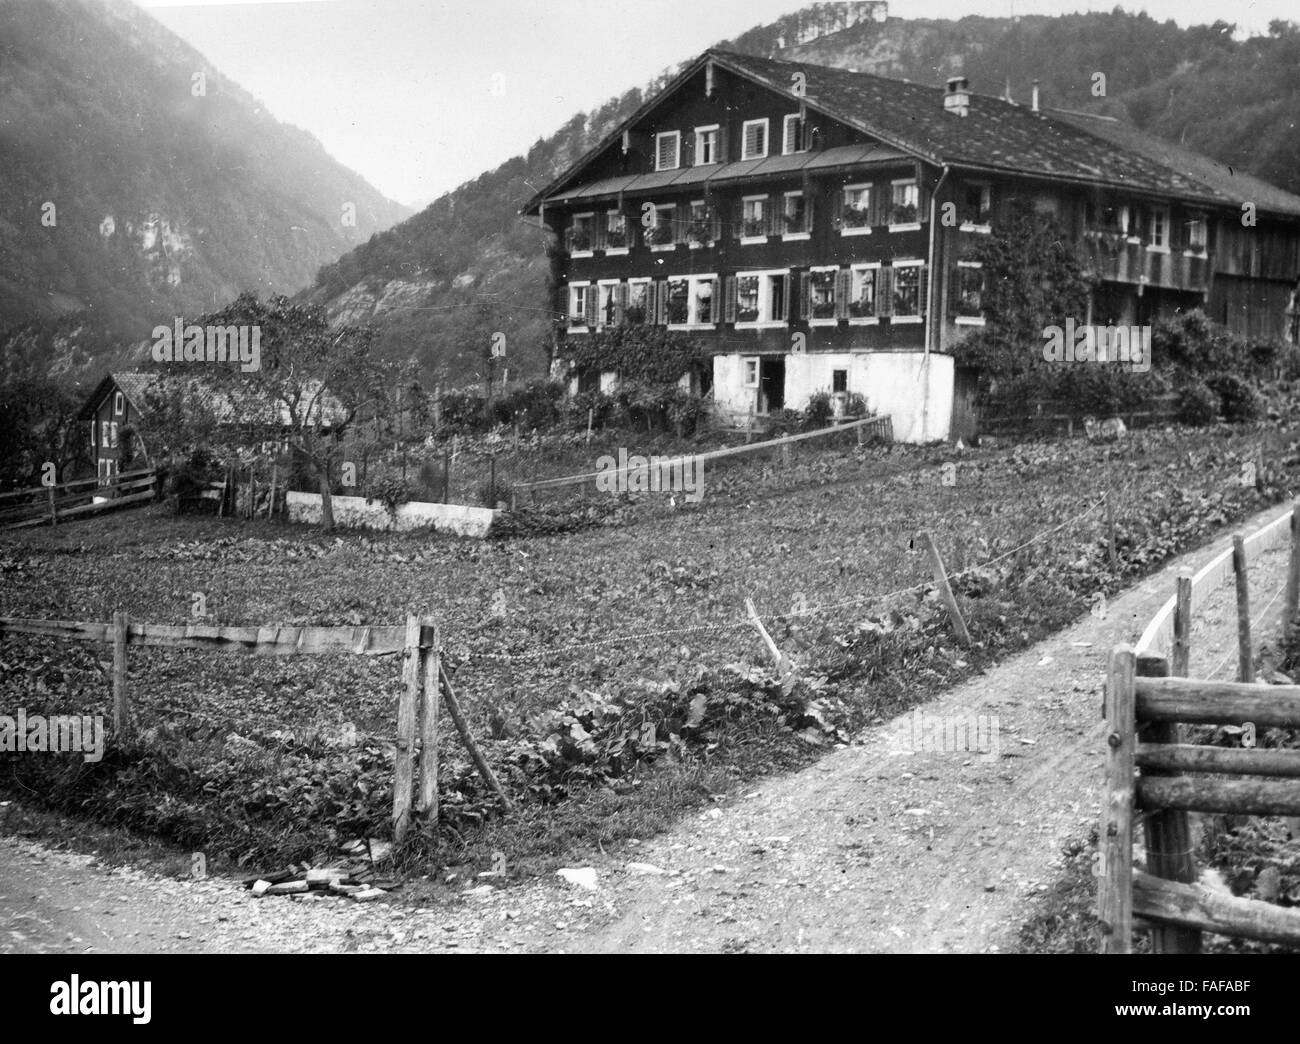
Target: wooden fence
(417, 712)
(1059, 417)
(866, 428)
(1174, 778)
(48, 505)
(1148, 690)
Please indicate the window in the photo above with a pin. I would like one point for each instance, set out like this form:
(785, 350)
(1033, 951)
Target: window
(615, 231)
(753, 140)
(119, 404)
(839, 380)
(706, 145)
(580, 234)
(608, 312)
(660, 236)
(638, 302)
(699, 230)
(691, 301)
(1106, 217)
(1158, 228)
(578, 304)
(753, 219)
(668, 150)
(1197, 235)
(968, 301)
(762, 298)
(751, 373)
(907, 292)
(856, 215)
(977, 206)
(792, 134)
(905, 202)
(795, 216)
(821, 295)
(862, 293)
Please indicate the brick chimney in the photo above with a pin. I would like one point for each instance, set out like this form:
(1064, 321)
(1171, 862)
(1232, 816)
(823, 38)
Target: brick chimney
(956, 98)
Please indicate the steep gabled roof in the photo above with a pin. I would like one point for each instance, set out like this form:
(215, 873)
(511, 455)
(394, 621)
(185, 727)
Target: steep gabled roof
(994, 136)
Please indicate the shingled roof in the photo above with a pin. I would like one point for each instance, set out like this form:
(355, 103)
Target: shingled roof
(137, 385)
(995, 136)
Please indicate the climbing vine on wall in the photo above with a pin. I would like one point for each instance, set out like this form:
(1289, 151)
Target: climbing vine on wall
(637, 353)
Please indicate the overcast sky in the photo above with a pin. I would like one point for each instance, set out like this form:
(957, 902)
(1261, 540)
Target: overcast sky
(419, 96)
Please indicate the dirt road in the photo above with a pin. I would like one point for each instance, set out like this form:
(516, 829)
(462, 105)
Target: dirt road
(874, 848)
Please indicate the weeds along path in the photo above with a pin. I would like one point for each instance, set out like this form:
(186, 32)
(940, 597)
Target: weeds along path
(873, 848)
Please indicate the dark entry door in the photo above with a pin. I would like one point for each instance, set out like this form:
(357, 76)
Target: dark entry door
(771, 385)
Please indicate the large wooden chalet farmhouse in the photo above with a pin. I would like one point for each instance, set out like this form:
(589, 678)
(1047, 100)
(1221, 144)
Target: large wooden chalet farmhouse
(754, 200)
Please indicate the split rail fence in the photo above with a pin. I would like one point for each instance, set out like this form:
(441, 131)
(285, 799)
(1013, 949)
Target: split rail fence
(415, 774)
(1152, 770)
(48, 505)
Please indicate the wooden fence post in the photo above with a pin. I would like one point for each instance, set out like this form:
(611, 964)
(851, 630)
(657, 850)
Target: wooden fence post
(431, 669)
(1115, 846)
(945, 590)
(462, 726)
(446, 476)
(1293, 569)
(591, 416)
(54, 511)
(492, 480)
(403, 769)
(782, 663)
(1181, 654)
(1167, 833)
(1110, 532)
(1245, 653)
(121, 707)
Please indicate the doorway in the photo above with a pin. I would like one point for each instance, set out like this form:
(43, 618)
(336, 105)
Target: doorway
(771, 386)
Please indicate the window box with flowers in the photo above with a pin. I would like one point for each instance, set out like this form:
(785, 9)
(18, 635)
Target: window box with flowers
(699, 233)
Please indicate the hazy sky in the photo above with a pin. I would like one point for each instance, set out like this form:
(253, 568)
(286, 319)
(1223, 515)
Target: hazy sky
(419, 96)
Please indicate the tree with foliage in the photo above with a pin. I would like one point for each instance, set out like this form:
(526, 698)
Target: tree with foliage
(313, 383)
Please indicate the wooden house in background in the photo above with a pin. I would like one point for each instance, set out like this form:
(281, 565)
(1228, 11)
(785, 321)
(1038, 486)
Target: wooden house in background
(814, 229)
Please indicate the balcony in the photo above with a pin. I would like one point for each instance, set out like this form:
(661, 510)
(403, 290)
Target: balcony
(1113, 256)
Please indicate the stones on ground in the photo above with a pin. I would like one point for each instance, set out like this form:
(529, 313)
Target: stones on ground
(260, 888)
(367, 894)
(579, 877)
(645, 869)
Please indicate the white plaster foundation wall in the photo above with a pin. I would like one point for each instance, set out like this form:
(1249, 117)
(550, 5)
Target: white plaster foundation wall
(458, 519)
(729, 392)
(916, 390)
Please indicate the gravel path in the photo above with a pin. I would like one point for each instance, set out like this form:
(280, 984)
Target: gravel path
(874, 848)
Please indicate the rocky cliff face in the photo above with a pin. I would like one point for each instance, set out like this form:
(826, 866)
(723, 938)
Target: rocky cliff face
(137, 183)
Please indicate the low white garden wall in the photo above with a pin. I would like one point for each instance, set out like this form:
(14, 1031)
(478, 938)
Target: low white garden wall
(458, 519)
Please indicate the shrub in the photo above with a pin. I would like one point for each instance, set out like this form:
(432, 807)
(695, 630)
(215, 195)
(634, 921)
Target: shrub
(462, 412)
(189, 478)
(1240, 403)
(601, 406)
(1198, 405)
(1194, 343)
(784, 422)
(686, 412)
(391, 492)
(818, 412)
(536, 404)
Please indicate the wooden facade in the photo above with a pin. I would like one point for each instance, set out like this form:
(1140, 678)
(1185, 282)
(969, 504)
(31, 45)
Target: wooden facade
(824, 239)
